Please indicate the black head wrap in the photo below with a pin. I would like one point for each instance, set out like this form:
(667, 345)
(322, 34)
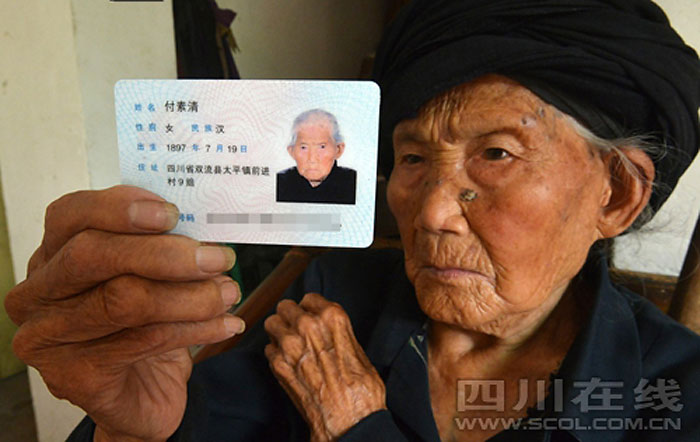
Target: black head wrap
(615, 65)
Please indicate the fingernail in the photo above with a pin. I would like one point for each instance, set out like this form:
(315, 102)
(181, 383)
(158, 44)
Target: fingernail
(213, 259)
(153, 215)
(230, 293)
(234, 325)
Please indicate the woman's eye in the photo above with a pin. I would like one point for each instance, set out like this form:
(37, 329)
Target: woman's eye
(303, 147)
(323, 146)
(411, 159)
(495, 153)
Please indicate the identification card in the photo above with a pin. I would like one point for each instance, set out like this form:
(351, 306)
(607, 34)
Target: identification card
(255, 161)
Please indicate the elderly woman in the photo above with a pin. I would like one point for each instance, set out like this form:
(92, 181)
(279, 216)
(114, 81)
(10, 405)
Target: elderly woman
(513, 128)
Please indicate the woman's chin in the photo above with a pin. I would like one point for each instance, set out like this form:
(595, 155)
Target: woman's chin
(467, 309)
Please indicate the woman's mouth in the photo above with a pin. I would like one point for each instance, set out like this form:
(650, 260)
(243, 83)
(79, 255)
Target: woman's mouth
(455, 274)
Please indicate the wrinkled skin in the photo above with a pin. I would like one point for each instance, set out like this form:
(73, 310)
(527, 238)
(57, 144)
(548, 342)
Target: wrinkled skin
(110, 305)
(317, 360)
(488, 264)
(491, 273)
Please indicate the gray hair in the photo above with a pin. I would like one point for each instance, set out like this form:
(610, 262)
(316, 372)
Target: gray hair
(308, 115)
(616, 146)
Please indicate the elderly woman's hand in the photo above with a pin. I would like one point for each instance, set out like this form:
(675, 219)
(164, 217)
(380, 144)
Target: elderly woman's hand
(317, 360)
(110, 305)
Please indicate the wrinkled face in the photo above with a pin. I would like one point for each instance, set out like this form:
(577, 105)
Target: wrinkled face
(485, 264)
(315, 150)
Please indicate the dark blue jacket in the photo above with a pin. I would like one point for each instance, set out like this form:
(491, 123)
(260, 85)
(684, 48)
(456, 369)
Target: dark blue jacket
(626, 344)
(338, 187)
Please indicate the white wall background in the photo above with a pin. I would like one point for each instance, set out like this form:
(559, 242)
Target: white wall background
(60, 59)
(115, 41)
(42, 141)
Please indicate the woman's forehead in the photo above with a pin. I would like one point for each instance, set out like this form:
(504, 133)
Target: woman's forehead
(488, 104)
(314, 128)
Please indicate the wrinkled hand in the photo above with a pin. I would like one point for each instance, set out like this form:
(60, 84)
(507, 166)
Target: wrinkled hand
(110, 305)
(317, 360)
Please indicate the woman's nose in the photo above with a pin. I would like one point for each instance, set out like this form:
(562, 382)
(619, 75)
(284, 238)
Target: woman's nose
(441, 210)
(313, 154)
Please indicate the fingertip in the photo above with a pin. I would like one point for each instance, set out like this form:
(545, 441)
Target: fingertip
(230, 291)
(311, 298)
(268, 350)
(152, 215)
(231, 257)
(240, 294)
(172, 215)
(215, 259)
(234, 325)
(268, 322)
(285, 303)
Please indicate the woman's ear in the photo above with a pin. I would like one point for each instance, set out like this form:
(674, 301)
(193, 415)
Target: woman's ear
(630, 189)
(340, 148)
